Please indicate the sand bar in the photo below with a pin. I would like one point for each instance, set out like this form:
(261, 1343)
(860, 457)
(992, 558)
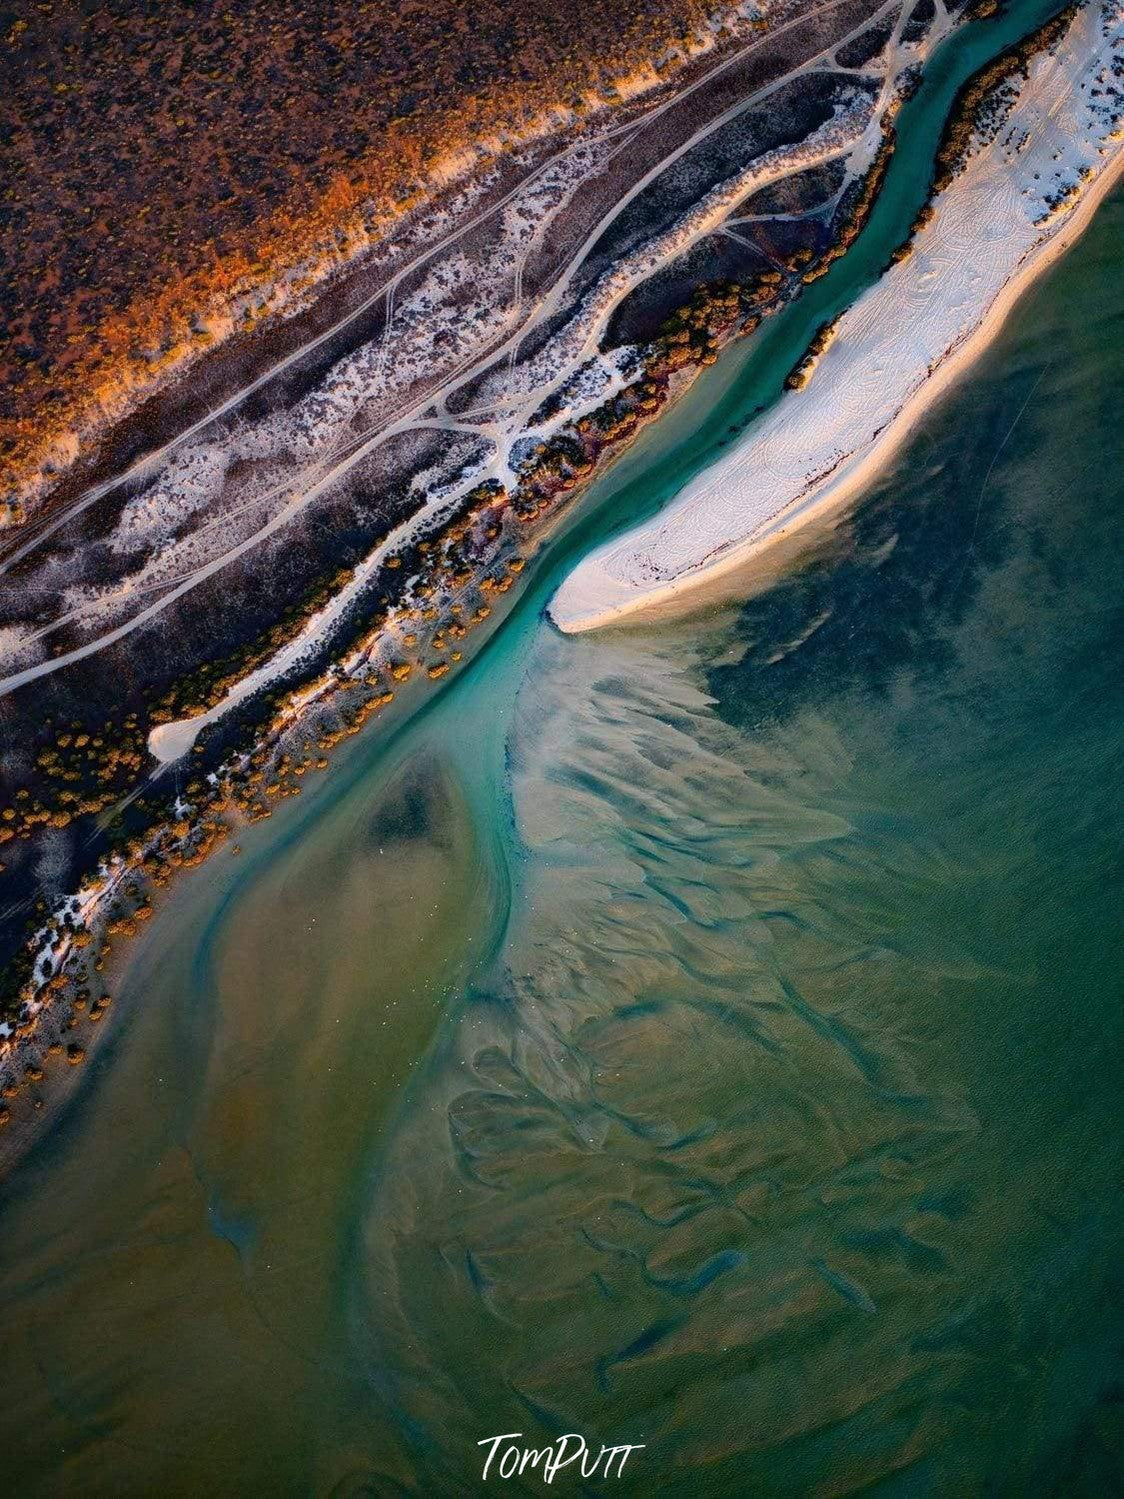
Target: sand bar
(1023, 198)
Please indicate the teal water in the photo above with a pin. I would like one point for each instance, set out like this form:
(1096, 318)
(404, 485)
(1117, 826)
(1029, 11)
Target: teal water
(783, 1135)
(705, 1036)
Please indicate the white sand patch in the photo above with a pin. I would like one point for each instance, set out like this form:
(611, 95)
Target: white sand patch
(19, 647)
(1023, 197)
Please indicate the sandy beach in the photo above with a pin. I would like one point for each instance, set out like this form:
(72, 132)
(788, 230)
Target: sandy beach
(1020, 202)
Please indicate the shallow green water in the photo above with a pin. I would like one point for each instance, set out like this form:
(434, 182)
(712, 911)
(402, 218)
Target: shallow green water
(706, 1037)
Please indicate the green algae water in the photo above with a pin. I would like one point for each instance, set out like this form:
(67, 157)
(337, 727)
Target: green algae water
(705, 1037)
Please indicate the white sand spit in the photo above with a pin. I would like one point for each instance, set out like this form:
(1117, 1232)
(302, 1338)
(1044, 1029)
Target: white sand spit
(1023, 197)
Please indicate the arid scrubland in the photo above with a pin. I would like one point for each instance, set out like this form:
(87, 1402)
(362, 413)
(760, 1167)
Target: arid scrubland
(177, 171)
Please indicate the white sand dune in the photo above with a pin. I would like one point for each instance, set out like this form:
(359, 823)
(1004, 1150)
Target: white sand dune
(1022, 198)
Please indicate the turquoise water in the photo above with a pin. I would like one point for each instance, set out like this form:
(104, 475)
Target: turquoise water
(705, 1036)
(783, 1134)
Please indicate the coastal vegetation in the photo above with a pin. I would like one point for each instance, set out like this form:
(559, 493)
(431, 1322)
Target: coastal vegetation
(980, 108)
(857, 208)
(986, 99)
(803, 371)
